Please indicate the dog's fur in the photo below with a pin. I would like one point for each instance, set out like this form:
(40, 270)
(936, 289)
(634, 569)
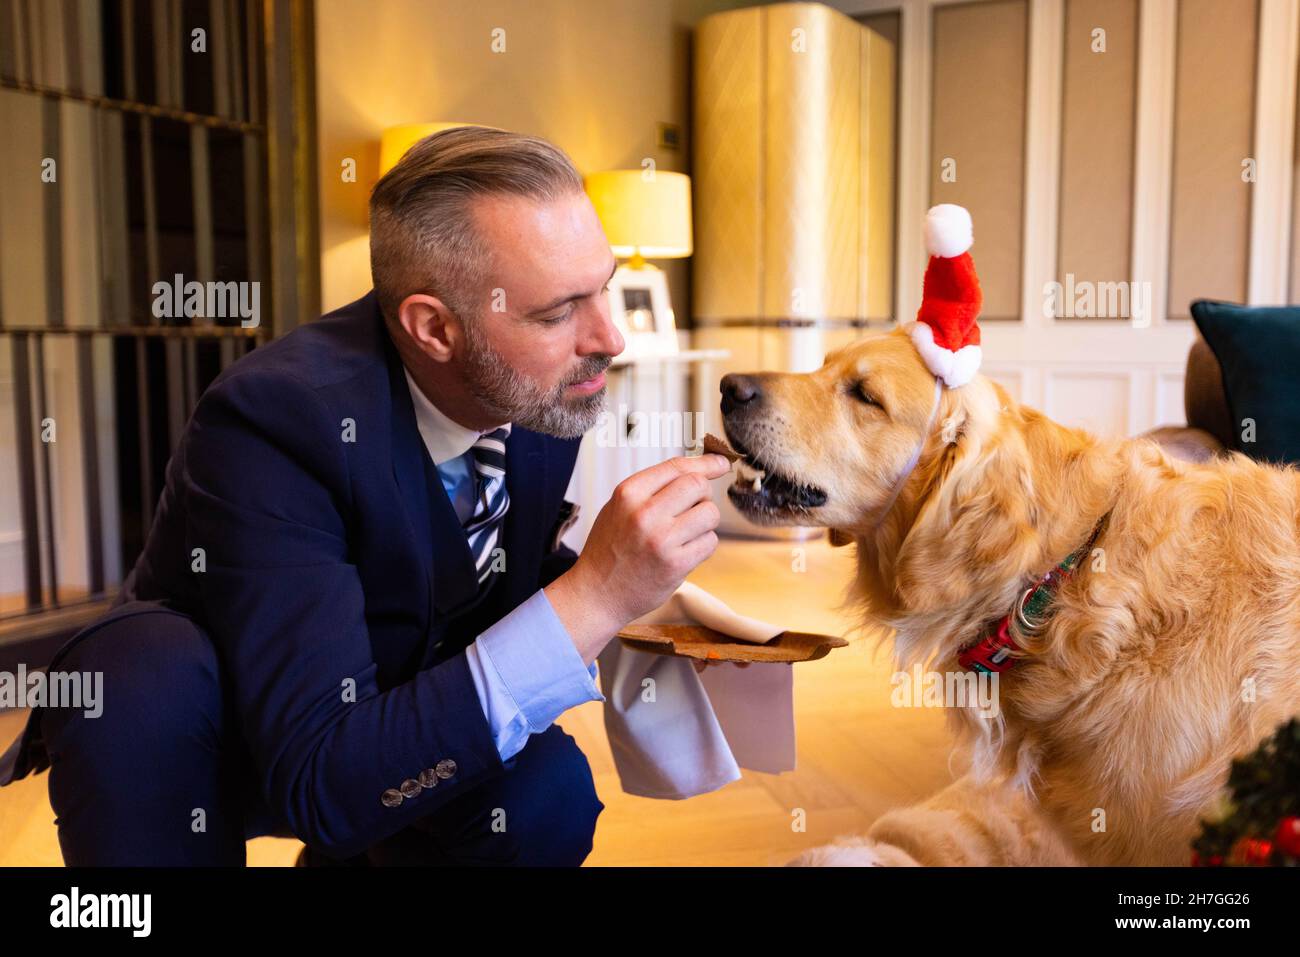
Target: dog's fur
(1174, 648)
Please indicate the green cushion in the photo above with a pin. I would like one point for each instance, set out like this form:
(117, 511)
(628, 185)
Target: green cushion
(1258, 348)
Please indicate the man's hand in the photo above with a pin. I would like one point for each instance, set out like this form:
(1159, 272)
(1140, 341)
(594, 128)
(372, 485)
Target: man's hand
(656, 527)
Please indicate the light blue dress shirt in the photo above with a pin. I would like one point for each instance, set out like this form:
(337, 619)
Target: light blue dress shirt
(526, 669)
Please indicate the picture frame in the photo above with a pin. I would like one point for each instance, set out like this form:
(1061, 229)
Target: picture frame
(641, 309)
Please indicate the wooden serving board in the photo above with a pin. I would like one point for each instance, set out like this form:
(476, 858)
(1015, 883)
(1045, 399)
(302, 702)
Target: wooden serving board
(697, 641)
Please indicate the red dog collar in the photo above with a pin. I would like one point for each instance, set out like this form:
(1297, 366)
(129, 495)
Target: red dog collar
(997, 649)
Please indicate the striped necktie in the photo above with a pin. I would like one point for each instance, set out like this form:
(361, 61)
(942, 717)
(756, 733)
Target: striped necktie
(484, 524)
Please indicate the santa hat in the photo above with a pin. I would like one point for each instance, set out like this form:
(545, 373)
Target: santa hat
(945, 332)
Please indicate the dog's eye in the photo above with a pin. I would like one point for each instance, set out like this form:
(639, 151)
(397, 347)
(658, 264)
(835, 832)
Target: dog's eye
(861, 393)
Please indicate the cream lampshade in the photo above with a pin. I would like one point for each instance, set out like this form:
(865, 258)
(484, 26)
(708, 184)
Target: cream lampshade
(397, 140)
(646, 215)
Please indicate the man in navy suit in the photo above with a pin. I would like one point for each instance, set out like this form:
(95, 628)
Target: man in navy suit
(353, 620)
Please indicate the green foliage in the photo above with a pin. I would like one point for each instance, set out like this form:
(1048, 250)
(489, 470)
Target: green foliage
(1265, 788)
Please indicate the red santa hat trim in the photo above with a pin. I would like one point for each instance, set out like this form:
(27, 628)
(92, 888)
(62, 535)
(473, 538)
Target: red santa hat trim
(945, 331)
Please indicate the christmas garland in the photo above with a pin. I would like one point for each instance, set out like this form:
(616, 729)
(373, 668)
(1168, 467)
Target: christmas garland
(1258, 825)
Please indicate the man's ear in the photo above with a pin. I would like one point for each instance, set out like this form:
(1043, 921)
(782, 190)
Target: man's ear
(430, 325)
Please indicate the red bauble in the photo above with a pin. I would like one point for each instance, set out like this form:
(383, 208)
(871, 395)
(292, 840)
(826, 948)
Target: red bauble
(1287, 836)
(1251, 852)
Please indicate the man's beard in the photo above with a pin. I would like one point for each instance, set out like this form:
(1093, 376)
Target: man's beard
(512, 397)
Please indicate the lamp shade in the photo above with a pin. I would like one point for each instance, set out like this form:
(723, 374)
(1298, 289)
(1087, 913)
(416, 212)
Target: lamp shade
(643, 212)
(397, 140)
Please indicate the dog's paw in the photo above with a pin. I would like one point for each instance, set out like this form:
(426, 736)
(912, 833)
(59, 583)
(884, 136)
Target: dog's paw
(854, 852)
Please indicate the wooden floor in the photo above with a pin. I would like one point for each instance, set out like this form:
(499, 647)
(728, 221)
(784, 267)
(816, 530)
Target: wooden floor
(857, 755)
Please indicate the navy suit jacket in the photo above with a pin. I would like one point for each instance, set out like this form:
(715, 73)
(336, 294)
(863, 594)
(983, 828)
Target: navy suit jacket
(331, 555)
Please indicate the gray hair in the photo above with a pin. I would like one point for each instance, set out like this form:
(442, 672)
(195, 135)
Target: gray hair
(422, 234)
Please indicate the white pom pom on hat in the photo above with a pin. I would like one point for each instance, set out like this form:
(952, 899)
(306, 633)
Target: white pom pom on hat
(948, 230)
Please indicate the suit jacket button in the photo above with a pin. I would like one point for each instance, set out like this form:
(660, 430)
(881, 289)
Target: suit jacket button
(429, 778)
(410, 788)
(445, 768)
(391, 798)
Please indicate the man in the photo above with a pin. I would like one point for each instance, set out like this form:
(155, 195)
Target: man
(353, 620)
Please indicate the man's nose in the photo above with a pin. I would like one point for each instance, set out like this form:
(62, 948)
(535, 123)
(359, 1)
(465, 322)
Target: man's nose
(740, 391)
(606, 338)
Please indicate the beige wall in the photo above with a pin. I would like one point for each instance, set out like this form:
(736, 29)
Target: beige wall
(593, 76)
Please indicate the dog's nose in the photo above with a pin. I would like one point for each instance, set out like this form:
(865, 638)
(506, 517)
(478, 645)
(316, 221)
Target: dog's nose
(739, 390)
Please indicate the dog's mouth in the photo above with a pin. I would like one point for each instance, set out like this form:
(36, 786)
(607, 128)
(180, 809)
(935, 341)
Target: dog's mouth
(760, 489)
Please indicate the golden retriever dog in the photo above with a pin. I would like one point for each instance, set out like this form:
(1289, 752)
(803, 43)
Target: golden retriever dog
(1174, 647)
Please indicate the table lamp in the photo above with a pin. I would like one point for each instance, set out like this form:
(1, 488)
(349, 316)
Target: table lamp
(646, 215)
(396, 140)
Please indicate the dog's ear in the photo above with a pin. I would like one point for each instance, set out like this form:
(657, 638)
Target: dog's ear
(977, 524)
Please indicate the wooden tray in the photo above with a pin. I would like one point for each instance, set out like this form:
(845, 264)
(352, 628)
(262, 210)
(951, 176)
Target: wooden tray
(697, 641)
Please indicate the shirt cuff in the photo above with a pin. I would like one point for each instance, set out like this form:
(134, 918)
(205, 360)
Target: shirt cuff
(531, 662)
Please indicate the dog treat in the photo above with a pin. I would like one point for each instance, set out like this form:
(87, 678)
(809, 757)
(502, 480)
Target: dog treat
(717, 446)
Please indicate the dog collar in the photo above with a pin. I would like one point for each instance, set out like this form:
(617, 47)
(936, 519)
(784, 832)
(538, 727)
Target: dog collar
(996, 649)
